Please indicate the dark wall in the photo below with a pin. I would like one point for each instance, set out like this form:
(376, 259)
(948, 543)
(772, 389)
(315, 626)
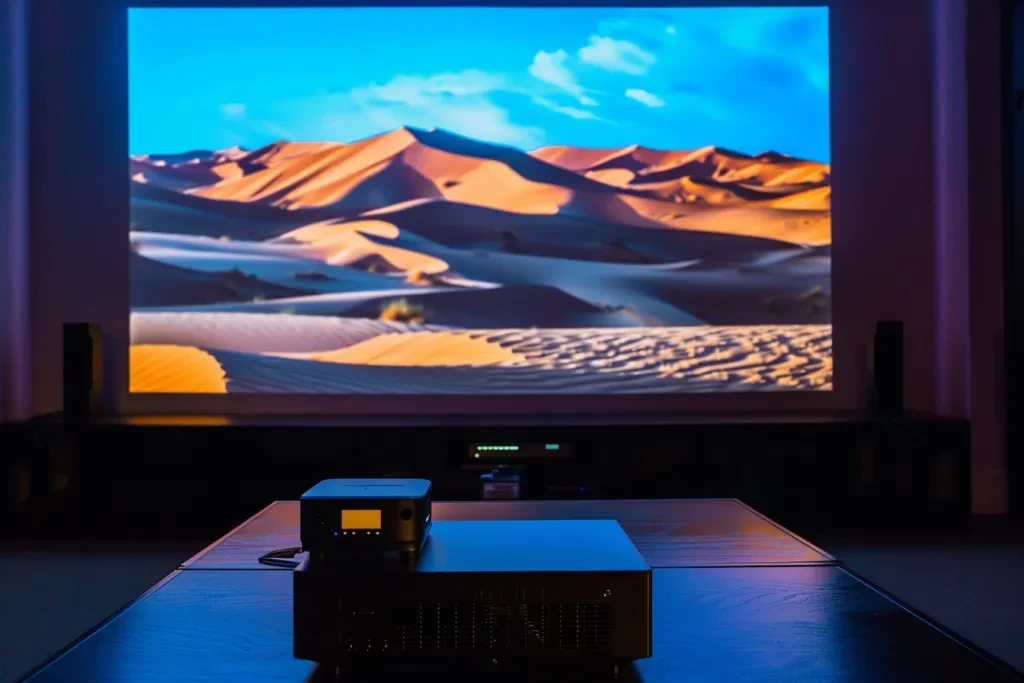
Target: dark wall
(14, 377)
(1014, 109)
(983, 178)
(78, 187)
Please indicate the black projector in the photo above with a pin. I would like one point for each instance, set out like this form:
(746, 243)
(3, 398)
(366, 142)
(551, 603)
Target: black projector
(492, 593)
(349, 517)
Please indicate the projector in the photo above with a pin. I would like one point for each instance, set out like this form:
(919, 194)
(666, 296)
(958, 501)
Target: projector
(356, 517)
(490, 593)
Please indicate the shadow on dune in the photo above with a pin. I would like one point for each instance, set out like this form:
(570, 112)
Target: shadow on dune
(472, 234)
(158, 284)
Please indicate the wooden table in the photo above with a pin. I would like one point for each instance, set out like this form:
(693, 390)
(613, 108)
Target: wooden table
(736, 598)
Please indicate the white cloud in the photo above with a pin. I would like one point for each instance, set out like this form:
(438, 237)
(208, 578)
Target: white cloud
(645, 98)
(550, 67)
(489, 122)
(233, 110)
(458, 102)
(419, 91)
(574, 112)
(614, 55)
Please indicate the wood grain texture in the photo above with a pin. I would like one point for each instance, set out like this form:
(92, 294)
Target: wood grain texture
(778, 624)
(197, 627)
(772, 624)
(668, 533)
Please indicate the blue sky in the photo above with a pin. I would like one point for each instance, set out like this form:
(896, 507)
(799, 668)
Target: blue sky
(750, 79)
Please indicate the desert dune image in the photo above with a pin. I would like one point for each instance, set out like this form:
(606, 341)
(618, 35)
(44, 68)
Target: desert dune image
(401, 241)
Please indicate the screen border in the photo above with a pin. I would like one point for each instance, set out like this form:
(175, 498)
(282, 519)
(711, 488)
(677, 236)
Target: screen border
(104, 56)
(409, 404)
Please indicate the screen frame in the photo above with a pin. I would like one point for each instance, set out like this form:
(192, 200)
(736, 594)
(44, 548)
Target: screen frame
(847, 391)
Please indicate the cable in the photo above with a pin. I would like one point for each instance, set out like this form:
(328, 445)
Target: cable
(281, 558)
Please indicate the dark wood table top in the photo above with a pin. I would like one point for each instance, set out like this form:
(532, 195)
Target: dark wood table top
(741, 617)
(752, 624)
(668, 533)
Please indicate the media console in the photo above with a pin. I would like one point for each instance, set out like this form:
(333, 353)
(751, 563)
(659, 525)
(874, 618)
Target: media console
(811, 471)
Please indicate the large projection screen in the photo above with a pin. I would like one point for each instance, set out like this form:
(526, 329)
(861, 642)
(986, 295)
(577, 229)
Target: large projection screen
(480, 200)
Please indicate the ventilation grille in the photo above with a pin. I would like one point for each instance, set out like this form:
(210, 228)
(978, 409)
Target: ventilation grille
(493, 627)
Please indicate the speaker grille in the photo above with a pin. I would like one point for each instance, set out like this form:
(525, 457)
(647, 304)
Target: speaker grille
(486, 626)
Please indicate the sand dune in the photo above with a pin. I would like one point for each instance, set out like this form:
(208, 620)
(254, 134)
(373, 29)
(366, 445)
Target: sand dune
(631, 186)
(159, 284)
(727, 286)
(514, 305)
(422, 349)
(179, 178)
(259, 332)
(583, 233)
(250, 373)
(281, 150)
(802, 226)
(653, 166)
(681, 360)
(359, 176)
(722, 292)
(578, 159)
(189, 170)
(633, 158)
(173, 159)
(296, 276)
(818, 199)
(423, 261)
(174, 369)
(406, 164)
(815, 262)
(158, 209)
(342, 243)
(524, 305)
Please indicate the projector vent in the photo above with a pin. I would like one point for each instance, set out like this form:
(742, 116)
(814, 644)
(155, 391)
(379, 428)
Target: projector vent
(456, 627)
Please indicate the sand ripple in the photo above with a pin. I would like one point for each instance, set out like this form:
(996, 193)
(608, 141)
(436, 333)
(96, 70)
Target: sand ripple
(257, 332)
(525, 361)
(163, 368)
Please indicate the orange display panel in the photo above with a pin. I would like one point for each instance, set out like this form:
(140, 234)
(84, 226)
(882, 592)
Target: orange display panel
(360, 520)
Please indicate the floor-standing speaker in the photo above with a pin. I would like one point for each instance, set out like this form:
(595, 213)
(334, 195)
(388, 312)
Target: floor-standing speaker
(887, 368)
(83, 370)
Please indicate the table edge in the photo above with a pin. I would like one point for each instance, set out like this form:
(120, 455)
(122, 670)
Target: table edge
(80, 640)
(826, 555)
(195, 558)
(931, 622)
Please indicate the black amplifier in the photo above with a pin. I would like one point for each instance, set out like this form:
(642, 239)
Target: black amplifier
(489, 592)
